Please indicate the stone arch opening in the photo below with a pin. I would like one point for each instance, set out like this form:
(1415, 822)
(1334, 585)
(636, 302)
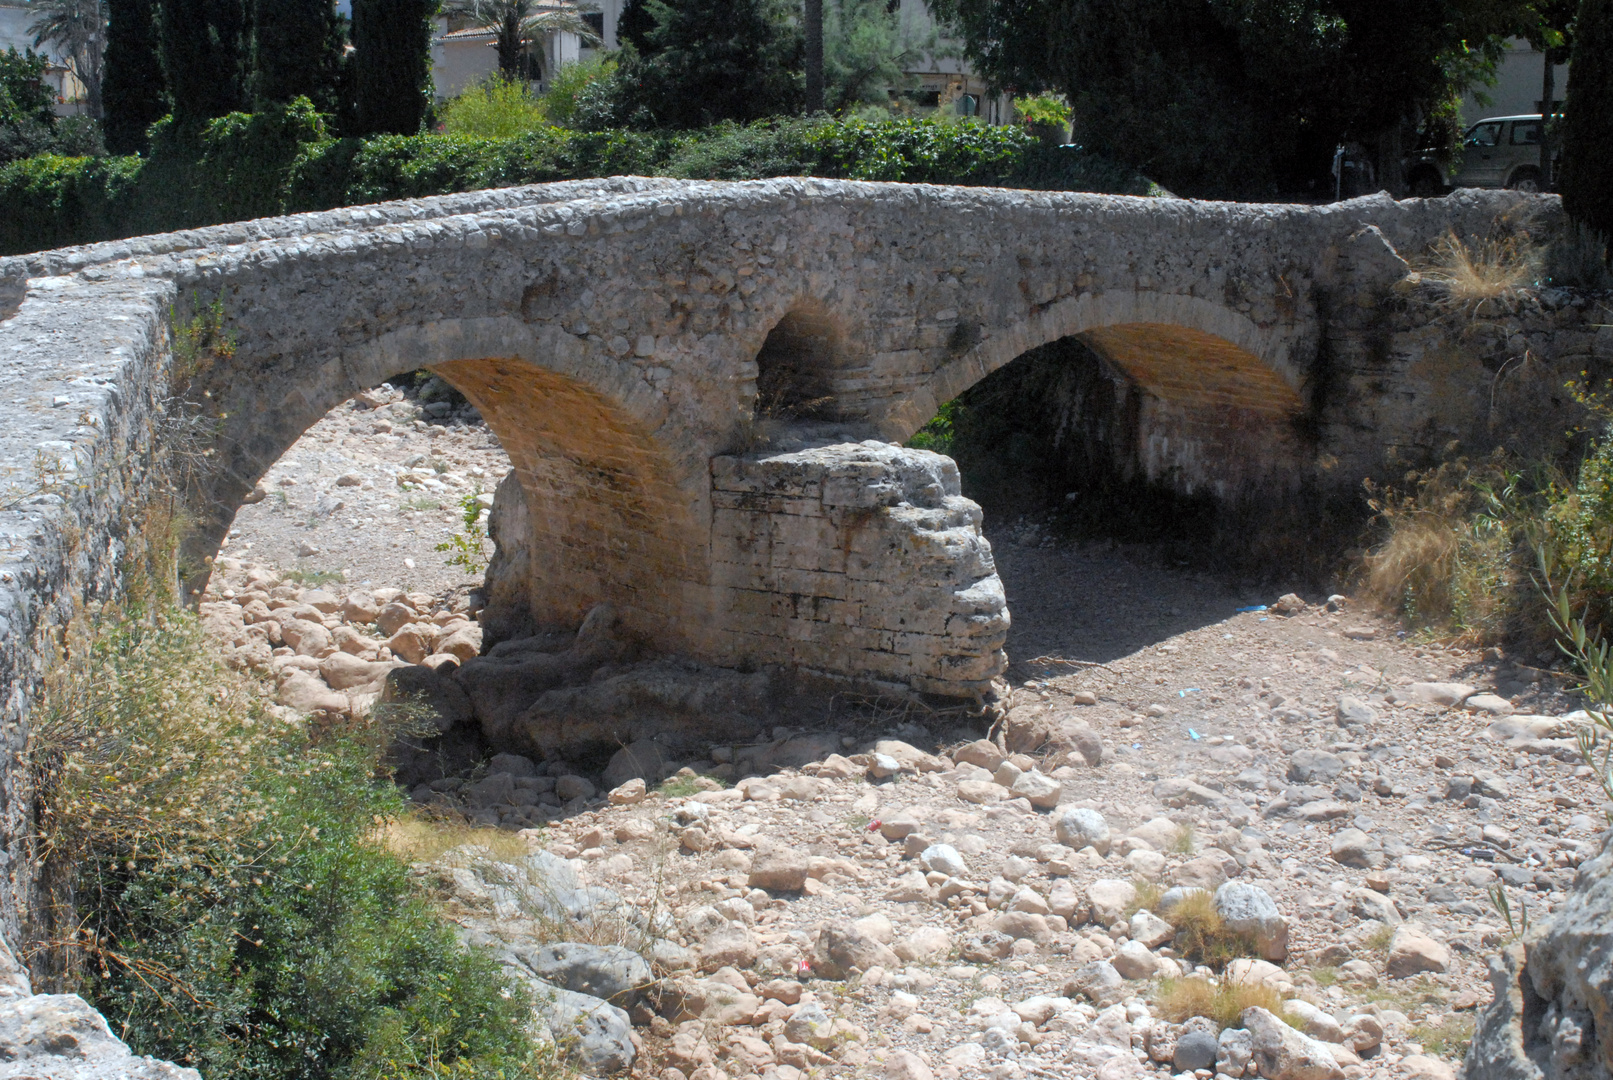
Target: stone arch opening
(593, 509)
(796, 367)
(1140, 432)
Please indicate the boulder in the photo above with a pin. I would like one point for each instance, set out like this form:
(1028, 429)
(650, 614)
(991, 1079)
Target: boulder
(1081, 828)
(1109, 899)
(59, 1037)
(1043, 791)
(1133, 961)
(779, 869)
(595, 1033)
(1248, 909)
(1195, 1049)
(1412, 952)
(659, 697)
(1098, 982)
(609, 972)
(839, 948)
(1281, 1053)
(645, 759)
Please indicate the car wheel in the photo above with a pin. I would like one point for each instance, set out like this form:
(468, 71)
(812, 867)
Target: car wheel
(1526, 180)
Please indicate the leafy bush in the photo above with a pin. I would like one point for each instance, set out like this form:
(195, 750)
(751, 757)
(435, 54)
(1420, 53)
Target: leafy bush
(568, 85)
(499, 108)
(282, 161)
(219, 888)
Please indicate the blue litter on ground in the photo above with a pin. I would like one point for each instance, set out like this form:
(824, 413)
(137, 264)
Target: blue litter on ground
(1193, 733)
(1189, 690)
(1253, 607)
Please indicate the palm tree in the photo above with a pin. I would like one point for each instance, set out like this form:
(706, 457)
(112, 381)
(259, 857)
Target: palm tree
(77, 31)
(516, 24)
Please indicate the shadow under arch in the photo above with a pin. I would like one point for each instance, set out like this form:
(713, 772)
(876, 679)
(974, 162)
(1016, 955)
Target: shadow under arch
(798, 364)
(606, 517)
(1269, 349)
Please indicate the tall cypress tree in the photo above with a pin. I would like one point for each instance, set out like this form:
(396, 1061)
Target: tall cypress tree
(1587, 176)
(391, 66)
(296, 52)
(132, 85)
(203, 57)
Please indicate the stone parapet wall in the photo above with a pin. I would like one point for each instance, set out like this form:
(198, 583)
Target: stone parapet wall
(83, 375)
(862, 561)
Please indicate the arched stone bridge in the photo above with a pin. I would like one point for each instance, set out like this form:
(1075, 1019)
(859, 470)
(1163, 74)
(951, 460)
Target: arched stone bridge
(699, 383)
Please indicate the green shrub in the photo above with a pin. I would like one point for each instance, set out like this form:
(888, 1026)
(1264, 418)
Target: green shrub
(219, 888)
(243, 166)
(568, 84)
(499, 108)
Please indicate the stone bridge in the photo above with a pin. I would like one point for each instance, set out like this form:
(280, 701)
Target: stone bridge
(700, 386)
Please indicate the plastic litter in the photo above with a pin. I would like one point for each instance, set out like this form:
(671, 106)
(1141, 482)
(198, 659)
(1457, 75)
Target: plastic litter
(873, 826)
(1195, 735)
(1484, 854)
(1189, 690)
(1253, 607)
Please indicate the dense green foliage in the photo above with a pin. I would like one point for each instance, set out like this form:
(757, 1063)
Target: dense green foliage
(204, 58)
(865, 51)
(1587, 127)
(498, 108)
(28, 122)
(230, 904)
(705, 61)
(282, 161)
(1237, 97)
(296, 52)
(132, 87)
(391, 73)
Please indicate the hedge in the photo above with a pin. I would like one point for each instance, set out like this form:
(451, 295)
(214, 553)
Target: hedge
(243, 166)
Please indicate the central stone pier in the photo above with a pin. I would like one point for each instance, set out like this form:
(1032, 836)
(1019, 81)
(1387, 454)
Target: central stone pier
(859, 559)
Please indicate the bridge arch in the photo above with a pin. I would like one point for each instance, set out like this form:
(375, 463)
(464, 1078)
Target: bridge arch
(611, 509)
(1269, 349)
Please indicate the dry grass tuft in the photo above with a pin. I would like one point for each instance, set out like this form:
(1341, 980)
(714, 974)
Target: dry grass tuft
(1487, 274)
(1181, 999)
(1449, 549)
(426, 838)
(1202, 936)
(1148, 896)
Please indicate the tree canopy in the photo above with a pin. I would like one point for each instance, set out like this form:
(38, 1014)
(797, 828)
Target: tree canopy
(704, 61)
(133, 93)
(1237, 97)
(1587, 173)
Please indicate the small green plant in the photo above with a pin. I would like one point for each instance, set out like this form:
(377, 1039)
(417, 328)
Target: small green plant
(1186, 840)
(1517, 926)
(281, 500)
(1325, 976)
(315, 579)
(1378, 941)
(199, 342)
(422, 503)
(1449, 1037)
(1148, 897)
(500, 108)
(468, 547)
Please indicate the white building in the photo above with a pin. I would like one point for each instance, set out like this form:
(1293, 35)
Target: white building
(15, 19)
(1518, 83)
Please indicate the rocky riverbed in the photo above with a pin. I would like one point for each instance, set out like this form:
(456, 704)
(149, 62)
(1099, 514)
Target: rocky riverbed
(913, 893)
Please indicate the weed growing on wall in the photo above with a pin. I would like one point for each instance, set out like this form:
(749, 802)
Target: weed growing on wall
(468, 547)
(219, 885)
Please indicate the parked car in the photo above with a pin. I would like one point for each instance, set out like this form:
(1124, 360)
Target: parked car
(1498, 152)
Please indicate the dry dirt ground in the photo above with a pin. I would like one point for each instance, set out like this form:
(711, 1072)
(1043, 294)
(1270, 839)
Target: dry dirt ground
(1379, 789)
